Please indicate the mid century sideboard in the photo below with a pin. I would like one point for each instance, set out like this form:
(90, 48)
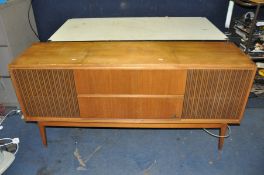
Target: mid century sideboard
(137, 84)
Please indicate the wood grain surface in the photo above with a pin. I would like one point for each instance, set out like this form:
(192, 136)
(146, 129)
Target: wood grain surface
(132, 106)
(159, 82)
(132, 55)
(257, 1)
(133, 84)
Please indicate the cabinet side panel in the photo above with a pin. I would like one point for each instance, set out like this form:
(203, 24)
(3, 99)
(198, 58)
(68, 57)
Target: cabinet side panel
(47, 92)
(216, 93)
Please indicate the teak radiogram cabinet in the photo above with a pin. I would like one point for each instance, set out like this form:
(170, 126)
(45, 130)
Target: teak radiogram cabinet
(133, 84)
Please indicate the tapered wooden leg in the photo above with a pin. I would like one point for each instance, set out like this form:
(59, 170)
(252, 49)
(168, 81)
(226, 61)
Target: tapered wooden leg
(222, 133)
(42, 130)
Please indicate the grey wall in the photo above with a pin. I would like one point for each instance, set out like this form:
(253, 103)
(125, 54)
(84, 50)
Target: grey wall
(15, 37)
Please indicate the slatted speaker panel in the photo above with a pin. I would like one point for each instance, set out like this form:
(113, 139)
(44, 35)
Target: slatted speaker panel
(47, 93)
(216, 94)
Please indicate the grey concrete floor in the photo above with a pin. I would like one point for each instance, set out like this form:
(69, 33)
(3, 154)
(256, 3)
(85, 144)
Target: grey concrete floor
(138, 151)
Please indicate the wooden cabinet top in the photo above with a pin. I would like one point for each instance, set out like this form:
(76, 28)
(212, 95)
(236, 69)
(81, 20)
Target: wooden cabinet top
(257, 1)
(154, 54)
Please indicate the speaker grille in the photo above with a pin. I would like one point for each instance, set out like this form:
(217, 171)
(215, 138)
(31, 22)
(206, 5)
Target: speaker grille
(47, 93)
(216, 94)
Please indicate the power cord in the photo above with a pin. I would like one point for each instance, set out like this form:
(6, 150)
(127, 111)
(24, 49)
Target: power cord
(28, 15)
(218, 136)
(18, 111)
(13, 141)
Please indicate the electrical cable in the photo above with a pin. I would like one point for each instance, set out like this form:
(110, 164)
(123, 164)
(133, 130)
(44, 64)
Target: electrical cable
(5, 76)
(6, 139)
(28, 15)
(14, 110)
(16, 148)
(218, 136)
(14, 141)
(5, 144)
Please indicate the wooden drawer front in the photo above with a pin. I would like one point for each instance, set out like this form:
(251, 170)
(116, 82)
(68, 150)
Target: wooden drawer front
(160, 82)
(130, 107)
